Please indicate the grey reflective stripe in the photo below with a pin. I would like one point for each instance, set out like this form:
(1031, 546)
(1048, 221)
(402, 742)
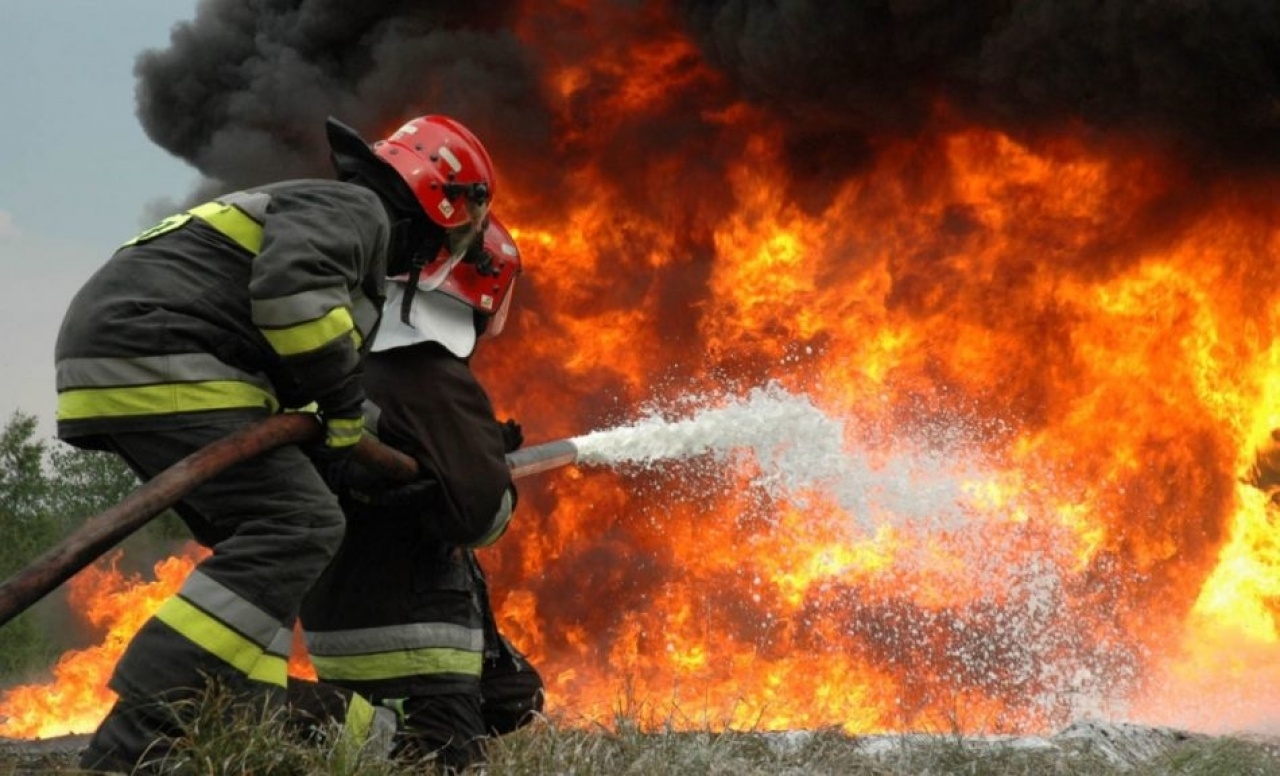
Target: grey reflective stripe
(149, 370)
(253, 203)
(366, 315)
(282, 644)
(416, 635)
(500, 520)
(239, 614)
(372, 414)
(306, 306)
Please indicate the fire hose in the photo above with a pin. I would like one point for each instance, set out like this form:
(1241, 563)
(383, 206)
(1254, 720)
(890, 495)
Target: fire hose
(104, 530)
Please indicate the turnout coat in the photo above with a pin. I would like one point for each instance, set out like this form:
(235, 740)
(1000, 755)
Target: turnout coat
(400, 611)
(260, 300)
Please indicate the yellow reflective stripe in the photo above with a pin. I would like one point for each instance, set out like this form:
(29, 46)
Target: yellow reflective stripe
(233, 223)
(167, 225)
(271, 669)
(311, 335)
(343, 432)
(359, 721)
(165, 398)
(216, 638)
(393, 665)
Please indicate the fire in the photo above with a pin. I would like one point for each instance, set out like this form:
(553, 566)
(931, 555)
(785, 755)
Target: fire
(1083, 331)
(76, 698)
(1061, 352)
(115, 603)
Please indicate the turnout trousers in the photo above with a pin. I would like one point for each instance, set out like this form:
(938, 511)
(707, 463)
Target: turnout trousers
(273, 526)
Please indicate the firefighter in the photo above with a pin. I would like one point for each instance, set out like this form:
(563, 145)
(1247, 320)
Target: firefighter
(402, 615)
(260, 301)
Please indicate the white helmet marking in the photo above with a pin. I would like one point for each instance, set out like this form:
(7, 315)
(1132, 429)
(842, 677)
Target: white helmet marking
(449, 158)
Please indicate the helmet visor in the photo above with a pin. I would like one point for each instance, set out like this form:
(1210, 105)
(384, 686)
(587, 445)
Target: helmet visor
(498, 321)
(458, 242)
(436, 272)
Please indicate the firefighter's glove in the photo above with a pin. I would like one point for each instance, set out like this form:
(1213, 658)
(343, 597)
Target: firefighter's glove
(512, 436)
(332, 454)
(420, 493)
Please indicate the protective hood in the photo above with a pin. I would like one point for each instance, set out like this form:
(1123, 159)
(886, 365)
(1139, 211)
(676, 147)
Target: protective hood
(433, 317)
(355, 162)
(353, 159)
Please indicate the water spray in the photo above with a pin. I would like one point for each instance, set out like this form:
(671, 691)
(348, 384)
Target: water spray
(776, 427)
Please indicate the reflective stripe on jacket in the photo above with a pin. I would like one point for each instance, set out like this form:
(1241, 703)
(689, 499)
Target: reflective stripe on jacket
(396, 651)
(395, 614)
(258, 300)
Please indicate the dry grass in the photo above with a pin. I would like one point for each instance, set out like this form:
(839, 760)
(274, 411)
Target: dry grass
(260, 744)
(554, 749)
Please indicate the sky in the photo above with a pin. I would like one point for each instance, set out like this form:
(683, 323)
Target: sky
(78, 176)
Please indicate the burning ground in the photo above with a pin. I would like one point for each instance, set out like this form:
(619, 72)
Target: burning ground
(1018, 256)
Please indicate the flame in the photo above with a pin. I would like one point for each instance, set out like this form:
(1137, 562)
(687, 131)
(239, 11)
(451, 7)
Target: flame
(1081, 335)
(114, 603)
(1064, 354)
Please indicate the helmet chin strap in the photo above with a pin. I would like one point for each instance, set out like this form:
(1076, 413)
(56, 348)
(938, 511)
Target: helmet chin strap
(427, 250)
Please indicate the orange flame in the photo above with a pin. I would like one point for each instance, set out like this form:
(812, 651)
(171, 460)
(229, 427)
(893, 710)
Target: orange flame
(1084, 332)
(77, 697)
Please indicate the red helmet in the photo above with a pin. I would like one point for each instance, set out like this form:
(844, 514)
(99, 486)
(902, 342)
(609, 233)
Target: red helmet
(485, 279)
(447, 168)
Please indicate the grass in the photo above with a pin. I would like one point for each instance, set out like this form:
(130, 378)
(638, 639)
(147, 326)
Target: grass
(548, 748)
(219, 743)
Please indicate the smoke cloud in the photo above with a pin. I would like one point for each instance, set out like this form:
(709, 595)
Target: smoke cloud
(243, 90)
(1200, 75)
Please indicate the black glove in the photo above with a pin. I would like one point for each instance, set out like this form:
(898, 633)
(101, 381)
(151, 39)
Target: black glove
(332, 469)
(419, 493)
(512, 436)
(330, 459)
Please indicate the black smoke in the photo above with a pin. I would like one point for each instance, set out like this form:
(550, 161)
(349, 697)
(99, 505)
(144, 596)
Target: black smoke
(1201, 77)
(243, 89)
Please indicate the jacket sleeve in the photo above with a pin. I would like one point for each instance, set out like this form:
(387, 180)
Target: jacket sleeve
(433, 408)
(321, 242)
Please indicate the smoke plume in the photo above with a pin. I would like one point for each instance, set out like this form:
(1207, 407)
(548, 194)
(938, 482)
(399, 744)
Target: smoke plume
(1201, 75)
(243, 90)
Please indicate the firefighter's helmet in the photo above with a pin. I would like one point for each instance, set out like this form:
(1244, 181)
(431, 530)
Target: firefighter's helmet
(446, 167)
(485, 278)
